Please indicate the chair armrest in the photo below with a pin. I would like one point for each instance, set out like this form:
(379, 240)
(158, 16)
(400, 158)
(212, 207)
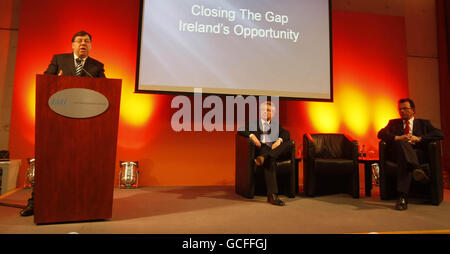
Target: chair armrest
(292, 150)
(309, 149)
(244, 179)
(434, 149)
(437, 180)
(351, 148)
(349, 138)
(382, 145)
(434, 157)
(245, 149)
(289, 158)
(290, 154)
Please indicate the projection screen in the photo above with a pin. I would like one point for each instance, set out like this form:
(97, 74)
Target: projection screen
(235, 47)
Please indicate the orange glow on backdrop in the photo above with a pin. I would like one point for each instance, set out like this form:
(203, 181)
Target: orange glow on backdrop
(324, 117)
(354, 107)
(369, 68)
(31, 101)
(135, 109)
(385, 109)
(369, 75)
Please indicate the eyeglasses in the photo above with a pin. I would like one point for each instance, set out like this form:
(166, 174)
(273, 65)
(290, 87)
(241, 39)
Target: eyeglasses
(81, 41)
(404, 109)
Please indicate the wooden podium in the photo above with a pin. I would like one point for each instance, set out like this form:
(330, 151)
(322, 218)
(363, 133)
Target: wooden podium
(75, 157)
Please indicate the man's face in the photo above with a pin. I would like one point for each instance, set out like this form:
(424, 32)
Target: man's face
(81, 46)
(405, 110)
(266, 112)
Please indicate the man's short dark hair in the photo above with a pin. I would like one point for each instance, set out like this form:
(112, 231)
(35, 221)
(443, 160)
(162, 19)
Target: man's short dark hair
(411, 102)
(81, 33)
(268, 103)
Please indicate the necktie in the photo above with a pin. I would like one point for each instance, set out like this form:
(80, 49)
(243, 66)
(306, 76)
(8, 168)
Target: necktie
(265, 136)
(79, 67)
(407, 128)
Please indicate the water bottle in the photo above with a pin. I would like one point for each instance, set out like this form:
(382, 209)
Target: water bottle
(363, 152)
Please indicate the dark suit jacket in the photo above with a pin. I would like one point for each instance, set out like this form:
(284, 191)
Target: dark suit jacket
(282, 133)
(65, 62)
(421, 128)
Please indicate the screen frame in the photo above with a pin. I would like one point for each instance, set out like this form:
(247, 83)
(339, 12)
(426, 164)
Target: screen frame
(139, 43)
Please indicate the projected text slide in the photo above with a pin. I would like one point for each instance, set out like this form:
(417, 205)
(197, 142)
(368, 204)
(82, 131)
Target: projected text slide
(254, 47)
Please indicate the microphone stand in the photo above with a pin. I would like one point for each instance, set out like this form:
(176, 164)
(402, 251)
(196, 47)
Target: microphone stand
(87, 72)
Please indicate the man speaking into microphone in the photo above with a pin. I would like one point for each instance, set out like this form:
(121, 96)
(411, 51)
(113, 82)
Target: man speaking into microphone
(77, 63)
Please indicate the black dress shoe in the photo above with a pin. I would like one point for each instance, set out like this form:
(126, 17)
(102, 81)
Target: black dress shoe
(27, 211)
(274, 200)
(401, 204)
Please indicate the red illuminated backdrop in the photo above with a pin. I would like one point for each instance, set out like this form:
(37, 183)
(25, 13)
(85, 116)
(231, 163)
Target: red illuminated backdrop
(369, 67)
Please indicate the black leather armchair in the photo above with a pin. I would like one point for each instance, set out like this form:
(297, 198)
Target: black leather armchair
(249, 180)
(330, 164)
(432, 190)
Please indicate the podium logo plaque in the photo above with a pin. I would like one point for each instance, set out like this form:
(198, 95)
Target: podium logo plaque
(78, 103)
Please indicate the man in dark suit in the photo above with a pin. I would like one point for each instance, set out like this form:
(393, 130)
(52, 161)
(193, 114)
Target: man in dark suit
(270, 140)
(77, 63)
(408, 137)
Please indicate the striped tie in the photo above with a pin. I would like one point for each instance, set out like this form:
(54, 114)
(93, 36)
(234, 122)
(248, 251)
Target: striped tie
(79, 67)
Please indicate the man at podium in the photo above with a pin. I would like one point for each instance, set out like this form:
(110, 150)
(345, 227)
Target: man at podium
(77, 63)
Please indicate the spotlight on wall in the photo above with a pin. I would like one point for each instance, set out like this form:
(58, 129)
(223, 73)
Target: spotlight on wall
(29, 179)
(128, 176)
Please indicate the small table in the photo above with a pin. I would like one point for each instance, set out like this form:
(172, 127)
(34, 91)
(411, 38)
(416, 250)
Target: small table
(368, 172)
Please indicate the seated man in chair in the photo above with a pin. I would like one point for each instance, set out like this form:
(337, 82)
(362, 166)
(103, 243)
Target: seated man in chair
(270, 141)
(408, 137)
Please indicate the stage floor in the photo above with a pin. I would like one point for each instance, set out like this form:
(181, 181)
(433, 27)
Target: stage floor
(219, 210)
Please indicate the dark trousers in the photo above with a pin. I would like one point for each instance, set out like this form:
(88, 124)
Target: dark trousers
(31, 200)
(408, 158)
(270, 166)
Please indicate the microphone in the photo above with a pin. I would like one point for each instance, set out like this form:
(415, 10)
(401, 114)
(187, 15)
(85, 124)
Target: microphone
(82, 68)
(78, 60)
